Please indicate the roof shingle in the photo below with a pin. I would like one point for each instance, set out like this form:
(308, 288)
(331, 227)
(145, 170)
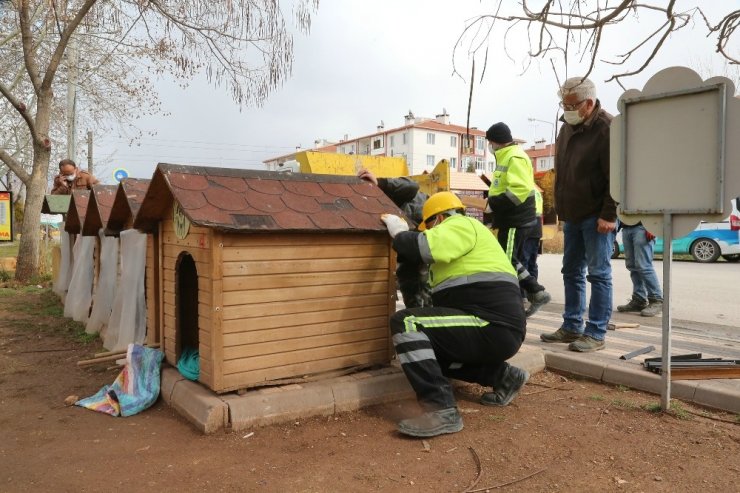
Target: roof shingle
(248, 200)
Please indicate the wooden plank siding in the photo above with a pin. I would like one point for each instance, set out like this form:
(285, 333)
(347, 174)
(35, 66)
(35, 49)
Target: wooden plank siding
(295, 304)
(198, 244)
(152, 289)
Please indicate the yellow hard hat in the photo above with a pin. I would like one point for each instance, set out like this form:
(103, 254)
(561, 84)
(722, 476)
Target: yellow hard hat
(439, 202)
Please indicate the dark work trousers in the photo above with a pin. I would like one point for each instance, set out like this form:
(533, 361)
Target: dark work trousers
(413, 282)
(435, 343)
(512, 241)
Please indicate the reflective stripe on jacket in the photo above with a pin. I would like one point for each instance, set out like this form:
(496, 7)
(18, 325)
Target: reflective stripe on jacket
(511, 196)
(461, 250)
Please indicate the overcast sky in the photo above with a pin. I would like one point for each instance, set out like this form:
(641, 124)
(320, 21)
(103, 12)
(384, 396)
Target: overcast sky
(364, 62)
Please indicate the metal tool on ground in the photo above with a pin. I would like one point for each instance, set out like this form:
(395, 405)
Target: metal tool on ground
(694, 367)
(638, 352)
(622, 325)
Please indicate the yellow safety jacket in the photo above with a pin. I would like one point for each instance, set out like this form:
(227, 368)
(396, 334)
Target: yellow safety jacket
(461, 250)
(511, 196)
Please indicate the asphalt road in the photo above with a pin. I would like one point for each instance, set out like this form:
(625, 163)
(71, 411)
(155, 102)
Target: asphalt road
(704, 293)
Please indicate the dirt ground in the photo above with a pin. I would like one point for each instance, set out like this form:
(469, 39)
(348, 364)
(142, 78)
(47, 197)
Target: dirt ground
(560, 434)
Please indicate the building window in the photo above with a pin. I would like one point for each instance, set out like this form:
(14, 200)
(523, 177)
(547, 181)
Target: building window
(393, 140)
(480, 164)
(430, 138)
(480, 144)
(377, 143)
(453, 163)
(404, 137)
(467, 148)
(430, 160)
(453, 141)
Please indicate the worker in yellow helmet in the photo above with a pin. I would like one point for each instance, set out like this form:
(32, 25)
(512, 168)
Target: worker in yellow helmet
(476, 322)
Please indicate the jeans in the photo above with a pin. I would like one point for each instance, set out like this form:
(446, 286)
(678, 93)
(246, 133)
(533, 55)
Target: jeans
(638, 258)
(587, 251)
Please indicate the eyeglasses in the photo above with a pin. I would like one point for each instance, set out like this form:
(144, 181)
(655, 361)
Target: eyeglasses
(572, 107)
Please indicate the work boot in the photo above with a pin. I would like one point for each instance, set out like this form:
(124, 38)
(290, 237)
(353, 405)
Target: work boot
(536, 301)
(586, 344)
(655, 307)
(636, 304)
(560, 335)
(432, 423)
(513, 381)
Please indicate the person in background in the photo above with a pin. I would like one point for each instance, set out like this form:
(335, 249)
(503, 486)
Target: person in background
(413, 278)
(647, 296)
(511, 201)
(477, 321)
(70, 178)
(589, 213)
(531, 247)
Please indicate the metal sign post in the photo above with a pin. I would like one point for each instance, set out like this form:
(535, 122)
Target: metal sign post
(665, 394)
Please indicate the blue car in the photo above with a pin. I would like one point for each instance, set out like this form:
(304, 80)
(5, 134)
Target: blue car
(706, 243)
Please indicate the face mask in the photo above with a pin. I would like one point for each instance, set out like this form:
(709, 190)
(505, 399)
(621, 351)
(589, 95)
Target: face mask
(70, 177)
(572, 117)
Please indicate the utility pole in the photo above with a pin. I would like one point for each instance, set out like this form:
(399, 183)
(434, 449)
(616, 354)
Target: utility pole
(89, 152)
(72, 54)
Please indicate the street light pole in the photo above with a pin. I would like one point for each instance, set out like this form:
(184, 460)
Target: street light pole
(549, 144)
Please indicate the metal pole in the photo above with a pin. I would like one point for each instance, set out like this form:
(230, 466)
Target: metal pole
(89, 152)
(665, 396)
(72, 100)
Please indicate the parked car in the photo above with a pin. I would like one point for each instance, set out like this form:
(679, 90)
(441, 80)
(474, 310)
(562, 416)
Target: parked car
(706, 243)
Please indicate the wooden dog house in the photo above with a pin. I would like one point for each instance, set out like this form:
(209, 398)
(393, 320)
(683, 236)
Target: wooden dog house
(126, 203)
(76, 212)
(271, 275)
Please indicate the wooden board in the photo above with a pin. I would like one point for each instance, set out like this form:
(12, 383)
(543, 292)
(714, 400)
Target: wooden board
(705, 373)
(235, 381)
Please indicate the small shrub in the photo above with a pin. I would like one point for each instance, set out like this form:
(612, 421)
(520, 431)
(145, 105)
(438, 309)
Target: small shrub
(5, 276)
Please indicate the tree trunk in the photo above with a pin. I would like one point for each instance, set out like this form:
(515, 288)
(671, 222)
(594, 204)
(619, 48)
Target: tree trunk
(28, 250)
(27, 265)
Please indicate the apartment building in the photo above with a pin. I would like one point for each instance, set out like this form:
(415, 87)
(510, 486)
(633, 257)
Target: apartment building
(542, 156)
(423, 142)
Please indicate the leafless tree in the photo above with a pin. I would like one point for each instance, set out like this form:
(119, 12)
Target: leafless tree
(246, 46)
(563, 31)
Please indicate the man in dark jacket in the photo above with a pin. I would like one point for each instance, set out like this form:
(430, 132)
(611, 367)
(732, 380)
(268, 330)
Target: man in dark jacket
(583, 202)
(413, 277)
(71, 178)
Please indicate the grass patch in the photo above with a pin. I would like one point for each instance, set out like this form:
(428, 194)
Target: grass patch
(622, 388)
(623, 404)
(596, 397)
(676, 409)
(496, 417)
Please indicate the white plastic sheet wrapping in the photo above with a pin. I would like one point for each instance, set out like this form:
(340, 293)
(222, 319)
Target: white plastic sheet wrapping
(127, 322)
(106, 287)
(61, 283)
(79, 295)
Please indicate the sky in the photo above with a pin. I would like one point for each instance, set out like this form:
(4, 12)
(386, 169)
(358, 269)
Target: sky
(366, 62)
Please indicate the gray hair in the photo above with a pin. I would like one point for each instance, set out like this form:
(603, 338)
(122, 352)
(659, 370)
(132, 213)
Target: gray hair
(583, 88)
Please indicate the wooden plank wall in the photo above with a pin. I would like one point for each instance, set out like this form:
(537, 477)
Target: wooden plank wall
(198, 244)
(295, 304)
(152, 289)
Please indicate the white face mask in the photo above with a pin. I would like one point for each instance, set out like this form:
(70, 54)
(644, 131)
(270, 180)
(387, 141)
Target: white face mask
(70, 177)
(572, 117)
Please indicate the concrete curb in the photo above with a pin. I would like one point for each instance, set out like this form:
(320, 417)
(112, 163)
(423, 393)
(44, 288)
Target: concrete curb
(703, 392)
(210, 412)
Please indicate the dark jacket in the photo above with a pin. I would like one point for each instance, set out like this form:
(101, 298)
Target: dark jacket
(83, 181)
(582, 169)
(404, 192)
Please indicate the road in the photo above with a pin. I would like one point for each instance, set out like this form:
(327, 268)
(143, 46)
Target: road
(705, 293)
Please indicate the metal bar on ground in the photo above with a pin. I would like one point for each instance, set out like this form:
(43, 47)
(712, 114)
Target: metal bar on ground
(637, 352)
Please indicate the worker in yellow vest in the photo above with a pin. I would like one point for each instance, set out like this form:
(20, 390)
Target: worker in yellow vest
(511, 200)
(476, 322)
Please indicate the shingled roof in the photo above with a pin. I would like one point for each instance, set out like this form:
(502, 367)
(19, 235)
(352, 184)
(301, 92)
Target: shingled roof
(77, 211)
(238, 200)
(98, 208)
(129, 196)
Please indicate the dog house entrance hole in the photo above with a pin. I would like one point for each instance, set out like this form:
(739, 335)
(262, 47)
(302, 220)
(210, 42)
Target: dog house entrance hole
(186, 301)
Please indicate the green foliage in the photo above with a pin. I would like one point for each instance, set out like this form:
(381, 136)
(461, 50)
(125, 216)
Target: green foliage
(596, 397)
(5, 276)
